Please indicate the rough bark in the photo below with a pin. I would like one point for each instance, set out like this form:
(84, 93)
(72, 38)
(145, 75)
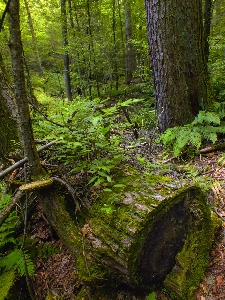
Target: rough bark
(8, 127)
(144, 238)
(23, 116)
(176, 43)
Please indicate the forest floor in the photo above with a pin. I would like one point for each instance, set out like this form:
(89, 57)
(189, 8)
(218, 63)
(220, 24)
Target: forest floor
(56, 275)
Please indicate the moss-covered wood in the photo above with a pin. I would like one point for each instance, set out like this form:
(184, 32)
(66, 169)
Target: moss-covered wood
(146, 232)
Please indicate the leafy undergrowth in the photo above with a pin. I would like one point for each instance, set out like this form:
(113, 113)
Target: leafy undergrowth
(56, 276)
(92, 143)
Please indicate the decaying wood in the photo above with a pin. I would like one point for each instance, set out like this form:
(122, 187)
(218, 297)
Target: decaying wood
(26, 188)
(133, 237)
(24, 160)
(212, 148)
(36, 185)
(70, 189)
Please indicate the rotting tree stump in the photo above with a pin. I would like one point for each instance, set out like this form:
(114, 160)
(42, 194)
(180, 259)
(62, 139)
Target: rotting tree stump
(146, 232)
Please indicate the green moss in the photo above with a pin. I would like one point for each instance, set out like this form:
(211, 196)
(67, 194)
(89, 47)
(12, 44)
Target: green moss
(191, 262)
(122, 231)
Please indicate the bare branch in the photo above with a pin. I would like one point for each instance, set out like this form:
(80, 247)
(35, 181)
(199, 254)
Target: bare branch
(70, 189)
(24, 160)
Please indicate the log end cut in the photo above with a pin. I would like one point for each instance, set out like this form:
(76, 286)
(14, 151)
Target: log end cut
(149, 232)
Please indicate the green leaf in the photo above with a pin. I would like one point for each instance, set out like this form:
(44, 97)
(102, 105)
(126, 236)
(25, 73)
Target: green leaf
(92, 179)
(76, 144)
(151, 296)
(119, 185)
(96, 120)
(103, 174)
(107, 190)
(126, 103)
(7, 280)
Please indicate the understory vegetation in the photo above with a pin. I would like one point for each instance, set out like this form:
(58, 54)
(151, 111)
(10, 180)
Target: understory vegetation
(109, 122)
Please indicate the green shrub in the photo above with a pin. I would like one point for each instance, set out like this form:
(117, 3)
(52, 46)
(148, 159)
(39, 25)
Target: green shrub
(206, 126)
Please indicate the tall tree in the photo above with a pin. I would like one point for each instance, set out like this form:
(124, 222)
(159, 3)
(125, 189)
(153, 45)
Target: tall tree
(33, 37)
(65, 50)
(8, 128)
(23, 115)
(130, 57)
(176, 42)
(208, 8)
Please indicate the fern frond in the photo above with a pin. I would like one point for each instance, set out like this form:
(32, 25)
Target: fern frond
(169, 136)
(204, 117)
(7, 280)
(46, 250)
(182, 139)
(15, 261)
(26, 261)
(195, 139)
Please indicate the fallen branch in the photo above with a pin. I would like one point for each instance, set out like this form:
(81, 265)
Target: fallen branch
(23, 189)
(24, 160)
(9, 208)
(213, 148)
(70, 189)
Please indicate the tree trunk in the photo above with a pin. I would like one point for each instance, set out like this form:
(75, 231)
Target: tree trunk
(176, 43)
(130, 55)
(139, 237)
(34, 38)
(66, 53)
(8, 129)
(208, 8)
(23, 116)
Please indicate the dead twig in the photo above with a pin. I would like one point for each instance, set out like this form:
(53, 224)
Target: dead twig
(213, 148)
(24, 160)
(70, 189)
(23, 189)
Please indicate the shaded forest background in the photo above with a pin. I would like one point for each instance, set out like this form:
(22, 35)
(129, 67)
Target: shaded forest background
(89, 85)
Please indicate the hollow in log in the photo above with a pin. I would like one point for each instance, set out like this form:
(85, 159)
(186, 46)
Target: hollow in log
(147, 231)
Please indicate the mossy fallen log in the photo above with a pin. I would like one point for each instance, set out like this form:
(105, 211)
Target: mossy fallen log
(144, 231)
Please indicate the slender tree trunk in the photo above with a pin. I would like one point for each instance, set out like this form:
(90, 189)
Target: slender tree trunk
(66, 53)
(23, 117)
(115, 50)
(130, 57)
(8, 114)
(176, 42)
(207, 24)
(34, 38)
(78, 59)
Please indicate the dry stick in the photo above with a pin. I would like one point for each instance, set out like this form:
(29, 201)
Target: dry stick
(10, 207)
(213, 148)
(70, 189)
(24, 160)
(37, 185)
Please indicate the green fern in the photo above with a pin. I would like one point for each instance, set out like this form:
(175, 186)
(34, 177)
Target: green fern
(46, 250)
(7, 229)
(15, 261)
(206, 126)
(7, 279)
